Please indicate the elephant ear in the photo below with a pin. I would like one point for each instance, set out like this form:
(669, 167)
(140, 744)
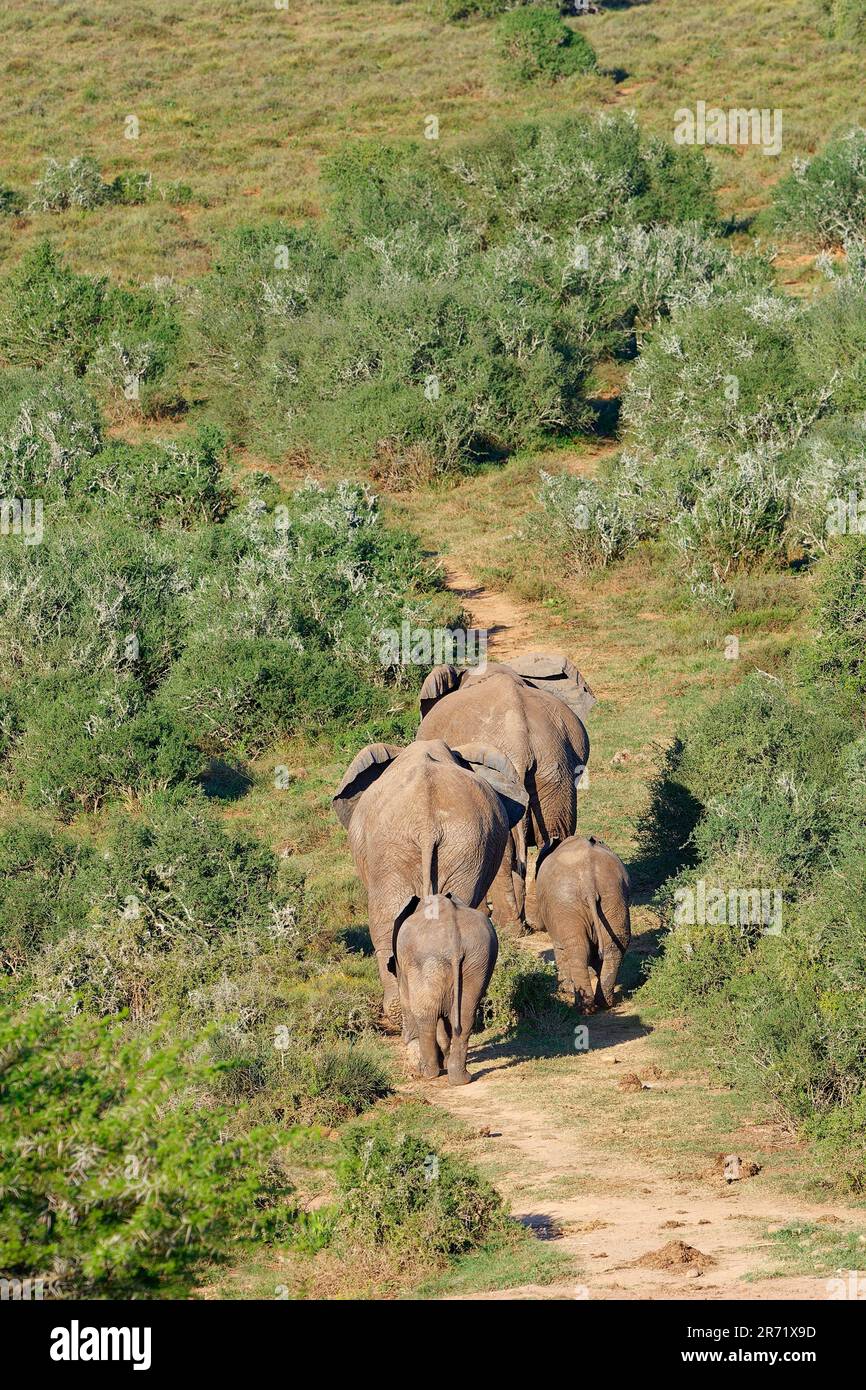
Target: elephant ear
(557, 673)
(362, 771)
(500, 773)
(441, 681)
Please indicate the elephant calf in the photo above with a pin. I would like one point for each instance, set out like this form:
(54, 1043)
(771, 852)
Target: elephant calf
(582, 894)
(444, 954)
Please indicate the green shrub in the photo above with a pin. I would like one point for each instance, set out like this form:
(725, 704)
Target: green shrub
(175, 893)
(836, 659)
(536, 44)
(396, 1191)
(50, 427)
(49, 882)
(522, 989)
(116, 1182)
(48, 313)
(717, 380)
(824, 198)
(131, 188)
(432, 322)
(456, 10)
(137, 355)
(830, 338)
(127, 341)
(11, 203)
(176, 482)
(332, 1083)
(430, 365)
(77, 184)
(593, 522)
(578, 174)
(96, 598)
(847, 18)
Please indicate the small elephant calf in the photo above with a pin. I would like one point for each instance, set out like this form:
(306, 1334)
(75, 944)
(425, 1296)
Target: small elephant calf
(582, 892)
(444, 954)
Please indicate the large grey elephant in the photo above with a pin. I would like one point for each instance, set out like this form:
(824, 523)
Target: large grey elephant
(582, 891)
(531, 709)
(422, 820)
(444, 954)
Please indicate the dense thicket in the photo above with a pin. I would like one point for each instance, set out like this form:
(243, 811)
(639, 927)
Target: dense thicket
(775, 778)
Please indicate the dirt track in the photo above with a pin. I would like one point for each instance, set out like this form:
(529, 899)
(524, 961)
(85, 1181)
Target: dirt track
(549, 1124)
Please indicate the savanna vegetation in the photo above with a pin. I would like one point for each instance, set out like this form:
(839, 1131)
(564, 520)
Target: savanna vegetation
(223, 352)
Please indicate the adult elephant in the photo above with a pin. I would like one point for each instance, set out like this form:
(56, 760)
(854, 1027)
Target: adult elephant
(532, 710)
(423, 820)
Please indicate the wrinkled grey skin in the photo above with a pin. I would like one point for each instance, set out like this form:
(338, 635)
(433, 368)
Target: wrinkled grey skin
(422, 820)
(444, 954)
(530, 709)
(582, 891)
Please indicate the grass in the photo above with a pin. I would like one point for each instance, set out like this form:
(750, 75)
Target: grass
(808, 1248)
(323, 72)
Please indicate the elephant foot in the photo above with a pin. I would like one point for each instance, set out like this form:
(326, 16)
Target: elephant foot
(513, 928)
(585, 1003)
(413, 1055)
(458, 1077)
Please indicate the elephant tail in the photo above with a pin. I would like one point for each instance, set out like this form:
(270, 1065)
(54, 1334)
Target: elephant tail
(429, 865)
(602, 925)
(456, 973)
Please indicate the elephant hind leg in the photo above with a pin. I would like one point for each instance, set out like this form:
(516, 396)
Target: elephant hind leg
(575, 969)
(506, 911)
(457, 1073)
(431, 1057)
(443, 1036)
(607, 976)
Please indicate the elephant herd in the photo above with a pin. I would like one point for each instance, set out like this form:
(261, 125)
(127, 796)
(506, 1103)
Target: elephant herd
(440, 827)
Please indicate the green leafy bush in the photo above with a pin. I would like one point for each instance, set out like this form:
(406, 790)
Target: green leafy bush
(456, 10)
(773, 787)
(535, 44)
(116, 1182)
(49, 883)
(50, 427)
(593, 522)
(824, 198)
(522, 989)
(127, 341)
(158, 484)
(435, 319)
(396, 1191)
(847, 18)
(332, 1083)
(77, 184)
(48, 313)
(836, 659)
(11, 202)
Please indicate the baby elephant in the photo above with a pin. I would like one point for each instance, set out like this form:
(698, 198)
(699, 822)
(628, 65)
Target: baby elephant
(582, 892)
(444, 954)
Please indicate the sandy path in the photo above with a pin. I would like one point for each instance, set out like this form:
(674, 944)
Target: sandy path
(568, 1123)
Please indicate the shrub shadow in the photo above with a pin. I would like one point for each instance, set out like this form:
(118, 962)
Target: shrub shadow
(224, 782)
